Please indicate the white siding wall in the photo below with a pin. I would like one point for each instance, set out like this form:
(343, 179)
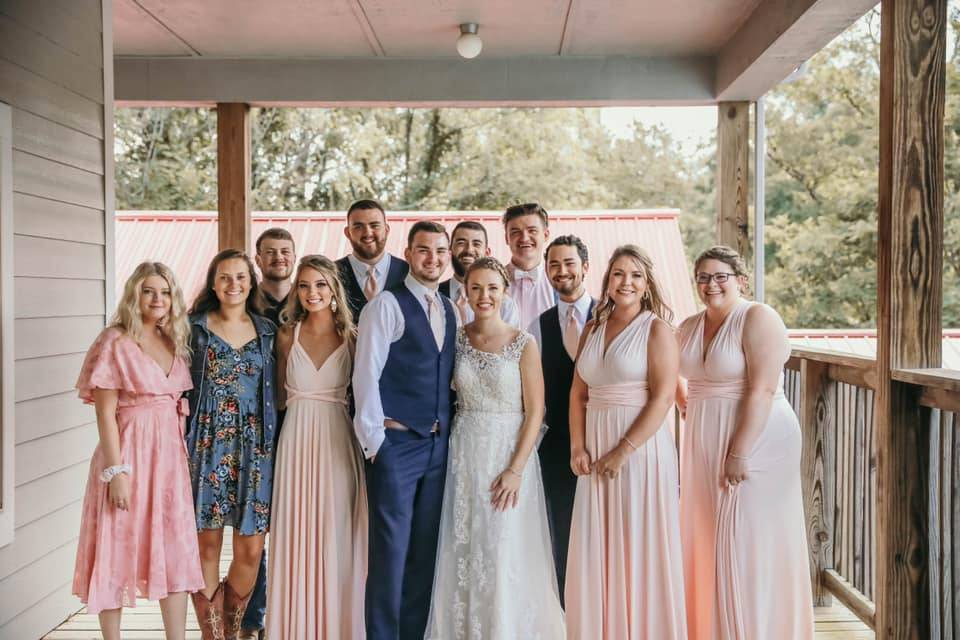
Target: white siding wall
(52, 75)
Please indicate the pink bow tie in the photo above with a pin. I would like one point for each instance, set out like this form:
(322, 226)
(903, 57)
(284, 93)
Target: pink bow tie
(519, 274)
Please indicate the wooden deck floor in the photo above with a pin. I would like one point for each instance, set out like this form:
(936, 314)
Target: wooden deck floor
(144, 622)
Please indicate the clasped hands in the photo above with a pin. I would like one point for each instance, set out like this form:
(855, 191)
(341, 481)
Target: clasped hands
(607, 466)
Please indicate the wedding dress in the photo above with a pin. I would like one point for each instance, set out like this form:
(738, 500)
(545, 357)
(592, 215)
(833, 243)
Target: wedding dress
(495, 577)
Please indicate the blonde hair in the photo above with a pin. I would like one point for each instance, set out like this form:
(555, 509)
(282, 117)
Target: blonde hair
(293, 312)
(175, 324)
(653, 297)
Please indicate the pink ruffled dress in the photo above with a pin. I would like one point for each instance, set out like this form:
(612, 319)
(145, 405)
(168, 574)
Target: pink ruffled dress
(150, 550)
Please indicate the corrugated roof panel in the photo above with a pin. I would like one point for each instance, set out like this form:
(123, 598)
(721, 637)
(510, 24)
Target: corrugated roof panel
(863, 342)
(187, 240)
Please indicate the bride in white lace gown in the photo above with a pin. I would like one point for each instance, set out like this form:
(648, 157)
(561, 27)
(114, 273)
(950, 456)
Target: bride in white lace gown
(495, 578)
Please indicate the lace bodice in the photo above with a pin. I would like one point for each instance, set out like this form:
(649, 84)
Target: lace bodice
(489, 382)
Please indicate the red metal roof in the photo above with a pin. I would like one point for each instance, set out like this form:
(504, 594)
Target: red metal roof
(187, 240)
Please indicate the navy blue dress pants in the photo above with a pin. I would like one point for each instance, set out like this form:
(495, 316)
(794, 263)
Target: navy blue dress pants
(405, 493)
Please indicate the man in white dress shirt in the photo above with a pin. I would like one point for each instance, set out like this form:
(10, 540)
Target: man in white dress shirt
(557, 332)
(468, 242)
(401, 384)
(369, 269)
(526, 227)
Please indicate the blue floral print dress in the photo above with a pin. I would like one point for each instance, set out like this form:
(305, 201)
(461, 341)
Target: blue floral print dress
(231, 459)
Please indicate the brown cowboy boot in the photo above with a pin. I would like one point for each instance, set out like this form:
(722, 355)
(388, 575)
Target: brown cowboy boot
(209, 613)
(233, 609)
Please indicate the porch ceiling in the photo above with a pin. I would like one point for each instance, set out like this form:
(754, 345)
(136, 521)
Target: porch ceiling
(715, 49)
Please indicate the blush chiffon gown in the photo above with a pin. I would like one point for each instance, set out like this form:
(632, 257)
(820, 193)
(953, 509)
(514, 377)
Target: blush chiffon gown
(318, 536)
(624, 568)
(745, 548)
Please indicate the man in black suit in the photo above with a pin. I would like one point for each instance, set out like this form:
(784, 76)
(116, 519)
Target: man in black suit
(557, 332)
(369, 269)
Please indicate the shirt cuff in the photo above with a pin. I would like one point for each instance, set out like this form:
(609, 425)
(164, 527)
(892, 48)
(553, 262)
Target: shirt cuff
(372, 444)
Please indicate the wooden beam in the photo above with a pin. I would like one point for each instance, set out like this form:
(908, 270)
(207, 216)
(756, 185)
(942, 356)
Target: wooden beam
(852, 599)
(778, 37)
(909, 301)
(733, 172)
(485, 81)
(818, 464)
(233, 175)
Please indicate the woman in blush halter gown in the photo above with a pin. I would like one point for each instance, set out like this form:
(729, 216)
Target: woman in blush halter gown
(624, 567)
(318, 539)
(744, 537)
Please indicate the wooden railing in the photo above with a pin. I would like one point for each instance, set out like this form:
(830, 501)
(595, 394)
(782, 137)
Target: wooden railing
(833, 394)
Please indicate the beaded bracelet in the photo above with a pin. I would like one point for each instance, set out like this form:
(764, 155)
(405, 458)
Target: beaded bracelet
(108, 474)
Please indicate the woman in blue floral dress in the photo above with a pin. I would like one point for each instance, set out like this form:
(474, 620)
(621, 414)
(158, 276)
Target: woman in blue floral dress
(230, 438)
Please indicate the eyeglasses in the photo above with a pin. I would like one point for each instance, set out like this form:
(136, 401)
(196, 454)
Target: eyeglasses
(720, 277)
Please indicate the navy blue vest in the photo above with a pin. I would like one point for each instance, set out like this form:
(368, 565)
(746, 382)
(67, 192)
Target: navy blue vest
(415, 383)
(558, 371)
(355, 298)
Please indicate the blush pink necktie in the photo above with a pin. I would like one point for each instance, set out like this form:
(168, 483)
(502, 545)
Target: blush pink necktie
(436, 321)
(370, 288)
(571, 334)
(462, 305)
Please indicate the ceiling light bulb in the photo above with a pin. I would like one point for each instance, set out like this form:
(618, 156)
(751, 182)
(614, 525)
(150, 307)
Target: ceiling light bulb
(469, 44)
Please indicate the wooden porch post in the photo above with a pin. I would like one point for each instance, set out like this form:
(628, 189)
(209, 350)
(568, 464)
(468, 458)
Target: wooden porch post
(909, 301)
(733, 158)
(233, 175)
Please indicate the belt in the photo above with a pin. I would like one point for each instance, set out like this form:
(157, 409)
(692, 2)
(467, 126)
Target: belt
(393, 424)
(627, 394)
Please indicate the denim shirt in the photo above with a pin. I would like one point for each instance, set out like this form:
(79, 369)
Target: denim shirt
(200, 340)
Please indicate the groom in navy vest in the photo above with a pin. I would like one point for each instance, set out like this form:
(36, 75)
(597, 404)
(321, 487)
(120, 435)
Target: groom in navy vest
(401, 384)
(557, 332)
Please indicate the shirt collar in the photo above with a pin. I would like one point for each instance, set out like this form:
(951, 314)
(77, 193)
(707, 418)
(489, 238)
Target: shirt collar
(581, 306)
(419, 290)
(381, 266)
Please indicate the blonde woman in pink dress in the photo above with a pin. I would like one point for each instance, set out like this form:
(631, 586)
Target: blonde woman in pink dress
(624, 567)
(744, 539)
(137, 533)
(318, 540)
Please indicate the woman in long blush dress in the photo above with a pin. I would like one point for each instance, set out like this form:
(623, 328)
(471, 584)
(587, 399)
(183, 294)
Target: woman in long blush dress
(624, 568)
(137, 535)
(318, 539)
(744, 535)
(495, 578)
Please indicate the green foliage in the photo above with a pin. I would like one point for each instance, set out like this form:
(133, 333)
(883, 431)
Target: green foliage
(821, 194)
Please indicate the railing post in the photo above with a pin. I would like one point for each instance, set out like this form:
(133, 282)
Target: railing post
(233, 175)
(818, 468)
(909, 301)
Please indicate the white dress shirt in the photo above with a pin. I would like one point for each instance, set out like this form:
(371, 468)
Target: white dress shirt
(581, 308)
(381, 324)
(360, 269)
(532, 292)
(508, 308)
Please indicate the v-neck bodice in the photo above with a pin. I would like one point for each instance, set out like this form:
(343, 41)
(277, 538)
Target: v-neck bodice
(720, 360)
(328, 382)
(624, 359)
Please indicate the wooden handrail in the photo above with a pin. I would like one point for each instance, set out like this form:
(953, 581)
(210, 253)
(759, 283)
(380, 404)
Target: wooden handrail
(939, 388)
(857, 370)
